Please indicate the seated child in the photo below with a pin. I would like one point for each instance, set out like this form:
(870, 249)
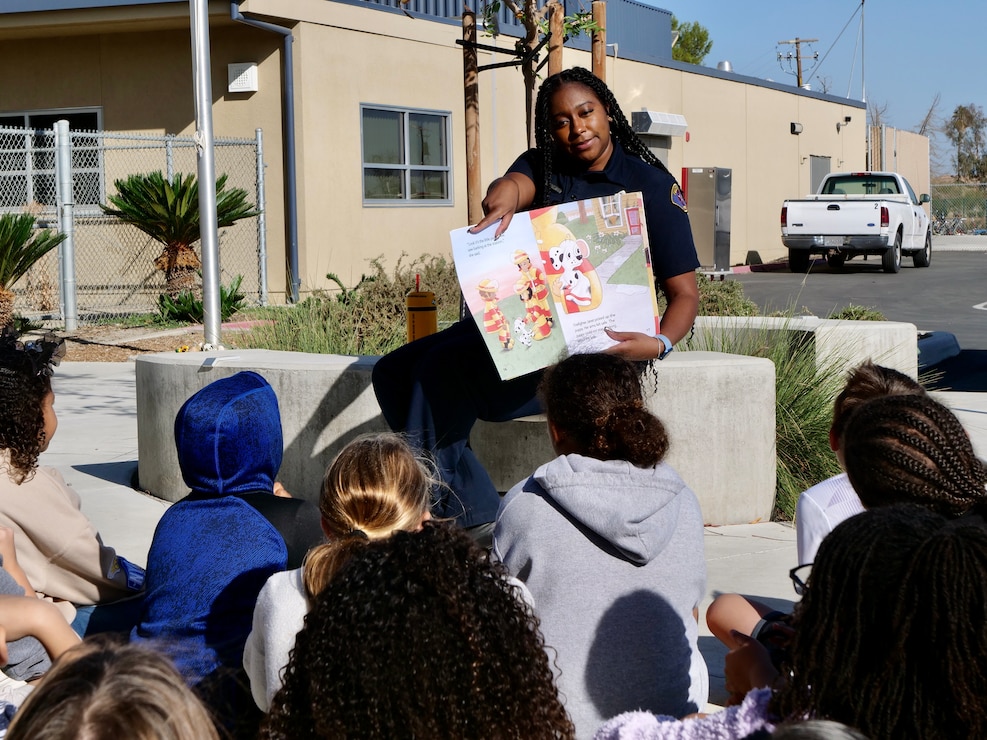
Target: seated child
(419, 635)
(374, 487)
(826, 504)
(32, 631)
(214, 550)
(102, 689)
(875, 646)
(819, 509)
(57, 546)
(609, 540)
(897, 449)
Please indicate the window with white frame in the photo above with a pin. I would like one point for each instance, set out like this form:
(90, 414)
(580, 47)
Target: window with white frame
(27, 160)
(405, 156)
(613, 215)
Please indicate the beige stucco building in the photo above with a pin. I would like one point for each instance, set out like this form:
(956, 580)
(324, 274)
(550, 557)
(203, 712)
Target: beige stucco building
(363, 71)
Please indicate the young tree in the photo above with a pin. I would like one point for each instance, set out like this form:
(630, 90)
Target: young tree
(20, 248)
(168, 212)
(965, 129)
(693, 43)
(534, 20)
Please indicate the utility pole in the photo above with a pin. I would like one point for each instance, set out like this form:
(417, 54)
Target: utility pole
(797, 43)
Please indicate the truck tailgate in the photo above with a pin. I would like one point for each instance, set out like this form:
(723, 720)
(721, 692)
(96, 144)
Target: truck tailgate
(836, 217)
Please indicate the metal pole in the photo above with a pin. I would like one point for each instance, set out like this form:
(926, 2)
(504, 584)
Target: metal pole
(863, 39)
(261, 221)
(208, 227)
(170, 156)
(66, 206)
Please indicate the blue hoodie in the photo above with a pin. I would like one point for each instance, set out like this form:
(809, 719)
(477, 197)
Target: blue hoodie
(212, 552)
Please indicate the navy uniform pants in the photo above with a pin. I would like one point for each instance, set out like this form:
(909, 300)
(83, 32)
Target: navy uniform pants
(433, 390)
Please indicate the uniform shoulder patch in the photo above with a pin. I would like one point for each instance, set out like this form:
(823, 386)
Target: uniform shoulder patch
(677, 197)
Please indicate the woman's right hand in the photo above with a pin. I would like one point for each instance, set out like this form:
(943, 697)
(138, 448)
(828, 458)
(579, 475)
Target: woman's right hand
(506, 196)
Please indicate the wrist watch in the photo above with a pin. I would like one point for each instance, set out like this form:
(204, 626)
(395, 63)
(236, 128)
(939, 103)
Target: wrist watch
(666, 346)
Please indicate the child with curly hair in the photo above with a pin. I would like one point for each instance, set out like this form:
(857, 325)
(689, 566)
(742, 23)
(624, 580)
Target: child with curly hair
(57, 546)
(609, 540)
(419, 635)
(376, 486)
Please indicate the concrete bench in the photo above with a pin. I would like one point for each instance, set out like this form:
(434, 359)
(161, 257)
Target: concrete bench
(840, 345)
(719, 411)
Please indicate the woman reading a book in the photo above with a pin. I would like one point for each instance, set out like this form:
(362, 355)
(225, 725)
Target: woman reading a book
(434, 389)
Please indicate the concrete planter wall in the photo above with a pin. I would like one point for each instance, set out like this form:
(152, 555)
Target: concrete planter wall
(719, 410)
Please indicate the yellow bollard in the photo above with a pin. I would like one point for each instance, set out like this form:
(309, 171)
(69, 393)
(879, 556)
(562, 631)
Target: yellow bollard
(423, 316)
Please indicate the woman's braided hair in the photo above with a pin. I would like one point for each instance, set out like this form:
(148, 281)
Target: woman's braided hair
(620, 129)
(888, 631)
(912, 449)
(596, 400)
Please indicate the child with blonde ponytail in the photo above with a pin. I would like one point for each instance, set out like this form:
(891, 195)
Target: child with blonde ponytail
(375, 487)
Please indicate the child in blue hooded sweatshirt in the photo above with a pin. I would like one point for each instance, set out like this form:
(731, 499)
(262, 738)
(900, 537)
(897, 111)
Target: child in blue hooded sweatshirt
(214, 550)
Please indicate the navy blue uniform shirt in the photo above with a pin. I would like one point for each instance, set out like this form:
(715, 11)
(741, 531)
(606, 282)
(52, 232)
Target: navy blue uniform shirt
(673, 251)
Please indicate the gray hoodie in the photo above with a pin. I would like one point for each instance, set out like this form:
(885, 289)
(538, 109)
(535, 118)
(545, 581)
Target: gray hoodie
(613, 556)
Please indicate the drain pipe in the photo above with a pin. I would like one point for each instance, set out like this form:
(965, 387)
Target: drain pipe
(290, 177)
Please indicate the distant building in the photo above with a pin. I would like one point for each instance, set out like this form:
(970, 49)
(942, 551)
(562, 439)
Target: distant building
(375, 85)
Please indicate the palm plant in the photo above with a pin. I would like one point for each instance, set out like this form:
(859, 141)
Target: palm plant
(20, 249)
(168, 212)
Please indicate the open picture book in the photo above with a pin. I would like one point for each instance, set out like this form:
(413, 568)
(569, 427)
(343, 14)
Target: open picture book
(559, 276)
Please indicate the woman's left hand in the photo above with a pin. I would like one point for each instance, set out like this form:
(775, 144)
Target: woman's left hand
(633, 345)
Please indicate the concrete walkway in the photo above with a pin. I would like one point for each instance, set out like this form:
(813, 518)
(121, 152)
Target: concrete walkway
(95, 448)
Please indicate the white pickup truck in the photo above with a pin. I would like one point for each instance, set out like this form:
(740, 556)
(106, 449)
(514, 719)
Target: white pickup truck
(858, 213)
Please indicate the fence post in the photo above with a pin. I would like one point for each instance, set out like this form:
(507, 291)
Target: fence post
(261, 222)
(170, 156)
(66, 207)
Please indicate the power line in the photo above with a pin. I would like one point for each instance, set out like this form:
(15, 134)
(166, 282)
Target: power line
(797, 43)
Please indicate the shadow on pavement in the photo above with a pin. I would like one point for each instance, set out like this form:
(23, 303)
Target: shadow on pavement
(122, 473)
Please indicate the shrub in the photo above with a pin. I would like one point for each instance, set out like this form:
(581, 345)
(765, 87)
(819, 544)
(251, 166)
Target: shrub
(367, 319)
(804, 395)
(186, 307)
(719, 298)
(857, 313)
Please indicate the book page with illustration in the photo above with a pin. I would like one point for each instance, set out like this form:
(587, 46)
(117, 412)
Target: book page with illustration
(559, 276)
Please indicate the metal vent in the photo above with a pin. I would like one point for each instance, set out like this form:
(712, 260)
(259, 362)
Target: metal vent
(657, 123)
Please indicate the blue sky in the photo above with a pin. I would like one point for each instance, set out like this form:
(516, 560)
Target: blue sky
(913, 49)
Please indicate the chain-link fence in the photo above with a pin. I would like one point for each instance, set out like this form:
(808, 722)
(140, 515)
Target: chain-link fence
(114, 272)
(959, 208)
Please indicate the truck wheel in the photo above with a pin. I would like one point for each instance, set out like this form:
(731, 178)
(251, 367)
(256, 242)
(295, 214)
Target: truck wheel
(836, 260)
(798, 261)
(891, 260)
(924, 258)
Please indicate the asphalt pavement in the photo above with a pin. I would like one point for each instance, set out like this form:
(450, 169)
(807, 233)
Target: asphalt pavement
(947, 298)
(95, 448)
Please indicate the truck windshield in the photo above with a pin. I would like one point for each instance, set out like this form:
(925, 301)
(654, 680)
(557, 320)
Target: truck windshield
(861, 184)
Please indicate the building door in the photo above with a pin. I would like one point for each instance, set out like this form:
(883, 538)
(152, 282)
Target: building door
(819, 167)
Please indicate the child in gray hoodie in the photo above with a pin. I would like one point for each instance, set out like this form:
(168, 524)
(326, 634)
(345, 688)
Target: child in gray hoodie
(609, 540)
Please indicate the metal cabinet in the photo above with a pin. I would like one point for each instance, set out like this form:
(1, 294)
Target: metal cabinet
(707, 192)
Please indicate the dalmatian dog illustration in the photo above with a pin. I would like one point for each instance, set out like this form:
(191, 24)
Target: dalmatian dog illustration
(568, 255)
(576, 288)
(522, 332)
